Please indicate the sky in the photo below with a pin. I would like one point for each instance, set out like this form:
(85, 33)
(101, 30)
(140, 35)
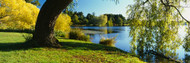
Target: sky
(100, 7)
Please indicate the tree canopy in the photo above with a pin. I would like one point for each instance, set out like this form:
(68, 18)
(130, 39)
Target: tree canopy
(154, 25)
(18, 14)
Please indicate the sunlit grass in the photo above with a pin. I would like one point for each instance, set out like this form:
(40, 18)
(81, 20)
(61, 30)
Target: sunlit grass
(13, 50)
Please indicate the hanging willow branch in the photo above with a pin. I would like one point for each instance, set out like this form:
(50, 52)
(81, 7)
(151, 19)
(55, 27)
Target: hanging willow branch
(168, 5)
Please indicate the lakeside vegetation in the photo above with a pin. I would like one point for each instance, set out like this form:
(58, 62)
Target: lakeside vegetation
(13, 49)
(153, 27)
(78, 19)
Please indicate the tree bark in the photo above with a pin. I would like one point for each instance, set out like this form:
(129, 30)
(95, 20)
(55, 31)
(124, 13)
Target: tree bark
(44, 29)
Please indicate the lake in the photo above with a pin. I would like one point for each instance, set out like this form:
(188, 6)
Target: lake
(123, 42)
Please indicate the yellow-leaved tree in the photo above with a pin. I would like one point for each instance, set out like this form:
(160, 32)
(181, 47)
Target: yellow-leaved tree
(63, 23)
(17, 14)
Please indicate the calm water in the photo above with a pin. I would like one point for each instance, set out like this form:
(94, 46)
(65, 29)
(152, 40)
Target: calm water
(123, 42)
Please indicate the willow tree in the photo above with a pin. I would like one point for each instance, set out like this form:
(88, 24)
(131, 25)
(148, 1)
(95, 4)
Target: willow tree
(154, 25)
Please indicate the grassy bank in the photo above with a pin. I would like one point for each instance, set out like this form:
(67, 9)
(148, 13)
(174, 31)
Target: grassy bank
(12, 50)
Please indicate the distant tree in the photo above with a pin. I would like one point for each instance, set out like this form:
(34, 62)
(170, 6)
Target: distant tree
(100, 21)
(90, 17)
(120, 21)
(35, 2)
(75, 19)
(84, 21)
(70, 13)
(110, 22)
(81, 18)
(80, 15)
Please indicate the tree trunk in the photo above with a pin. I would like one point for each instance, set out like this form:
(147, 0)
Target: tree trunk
(44, 29)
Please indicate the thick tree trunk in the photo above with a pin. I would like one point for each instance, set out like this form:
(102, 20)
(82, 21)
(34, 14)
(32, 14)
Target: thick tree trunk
(44, 30)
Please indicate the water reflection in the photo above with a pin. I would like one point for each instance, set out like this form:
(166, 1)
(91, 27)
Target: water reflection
(187, 41)
(156, 39)
(145, 41)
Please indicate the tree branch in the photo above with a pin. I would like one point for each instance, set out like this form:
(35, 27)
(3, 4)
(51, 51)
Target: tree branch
(167, 5)
(145, 2)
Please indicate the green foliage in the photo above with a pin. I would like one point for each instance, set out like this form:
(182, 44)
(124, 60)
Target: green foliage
(118, 20)
(60, 34)
(90, 17)
(154, 27)
(108, 41)
(85, 21)
(35, 2)
(27, 37)
(91, 20)
(75, 19)
(78, 35)
(100, 21)
(110, 22)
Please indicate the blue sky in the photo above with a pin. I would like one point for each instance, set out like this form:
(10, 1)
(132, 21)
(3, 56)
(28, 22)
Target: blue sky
(107, 6)
(101, 6)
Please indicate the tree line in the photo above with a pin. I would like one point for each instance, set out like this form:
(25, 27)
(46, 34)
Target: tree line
(78, 19)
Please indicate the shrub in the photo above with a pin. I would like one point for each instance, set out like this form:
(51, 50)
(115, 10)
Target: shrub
(78, 35)
(28, 40)
(60, 34)
(27, 37)
(108, 41)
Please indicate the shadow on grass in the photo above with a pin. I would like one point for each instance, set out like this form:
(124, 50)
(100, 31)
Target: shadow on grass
(87, 46)
(65, 45)
(20, 31)
(14, 46)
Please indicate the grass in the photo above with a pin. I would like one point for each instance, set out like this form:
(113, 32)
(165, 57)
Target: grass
(13, 50)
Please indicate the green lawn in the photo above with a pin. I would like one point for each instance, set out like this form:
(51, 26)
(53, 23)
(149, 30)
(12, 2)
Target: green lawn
(13, 50)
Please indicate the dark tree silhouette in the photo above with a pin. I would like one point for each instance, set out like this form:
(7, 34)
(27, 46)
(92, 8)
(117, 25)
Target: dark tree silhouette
(44, 29)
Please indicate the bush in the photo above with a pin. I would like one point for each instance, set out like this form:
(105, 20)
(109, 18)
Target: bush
(27, 37)
(108, 41)
(28, 40)
(60, 34)
(78, 35)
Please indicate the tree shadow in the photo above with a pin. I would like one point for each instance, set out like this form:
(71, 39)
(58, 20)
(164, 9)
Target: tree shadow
(65, 45)
(87, 46)
(19, 31)
(14, 46)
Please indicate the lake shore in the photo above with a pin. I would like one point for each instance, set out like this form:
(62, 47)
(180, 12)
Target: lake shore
(12, 50)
